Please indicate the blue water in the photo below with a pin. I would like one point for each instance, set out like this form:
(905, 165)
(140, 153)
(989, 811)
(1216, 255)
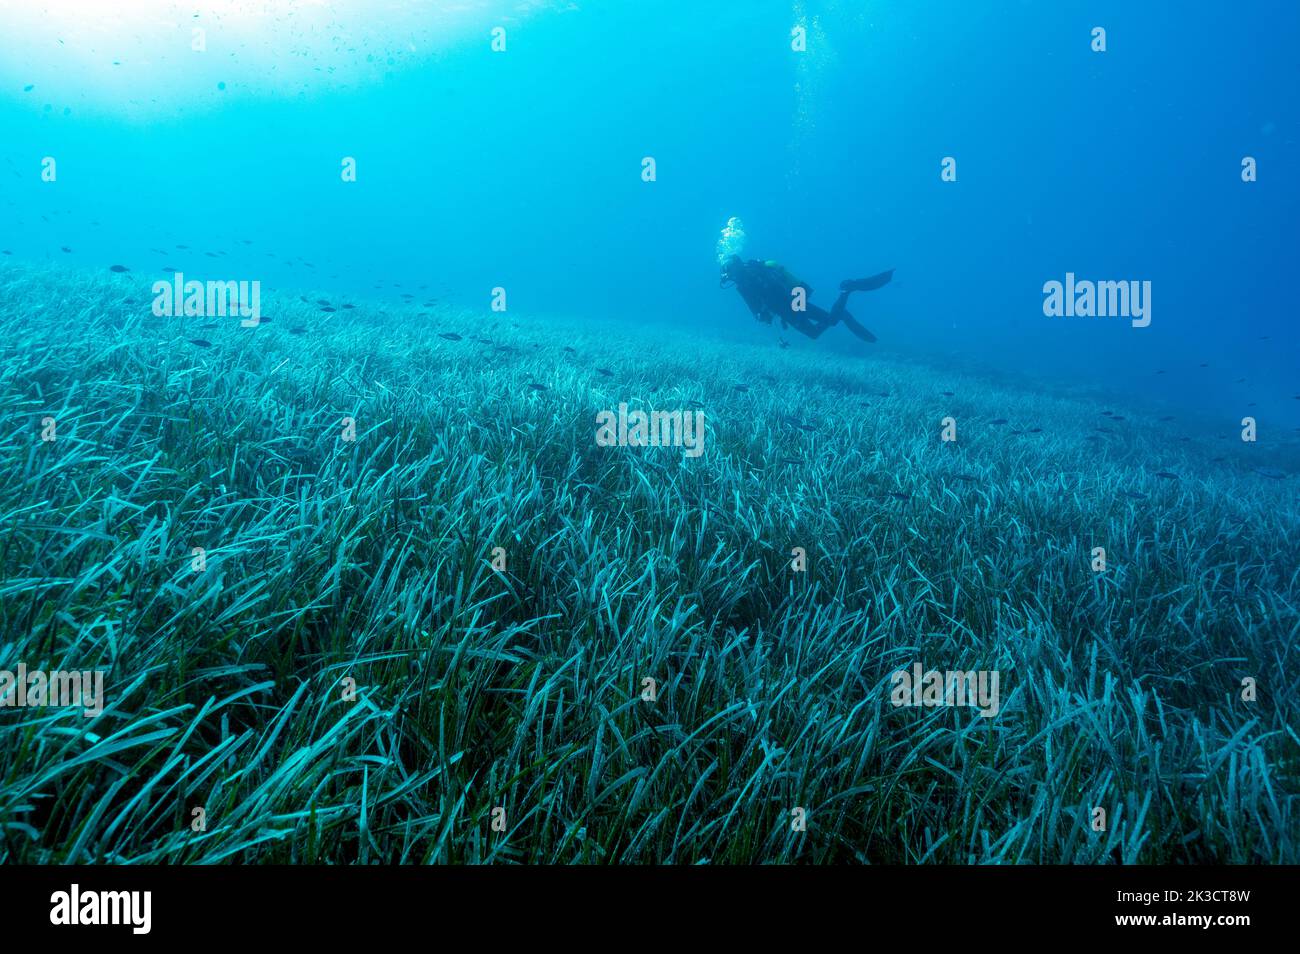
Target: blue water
(522, 168)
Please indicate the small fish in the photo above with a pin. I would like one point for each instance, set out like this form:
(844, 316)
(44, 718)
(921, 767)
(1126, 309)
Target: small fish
(1017, 431)
(863, 404)
(349, 307)
(1159, 372)
(303, 299)
(947, 394)
(695, 404)
(741, 387)
(183, 247)
(64, 248)
(1035, 430)
(201, 342)
(1105, 430)
(1270, 472)
(299, 330)
(899, 496)
(329, 308)
(449, 335)
(1240, 381)
(969, 478)
(210, 254)
(119, 269)
(1166, 475)
(605, 371)
(1215, 460)
(483, 340)
(783, 344)
(1205, 366)
(998, 420)
(1107, 413)
(1167, 417)
(6, 252)
(1134, 494)
(1116, 417)
(321, 301)
(538, 387)
(29, 87)
(570, 350)
(265, 319)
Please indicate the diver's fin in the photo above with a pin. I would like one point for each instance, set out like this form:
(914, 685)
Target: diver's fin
(867, 284)
(852, 324)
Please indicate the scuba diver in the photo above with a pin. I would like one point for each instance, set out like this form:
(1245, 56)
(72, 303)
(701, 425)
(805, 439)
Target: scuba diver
(768, 289)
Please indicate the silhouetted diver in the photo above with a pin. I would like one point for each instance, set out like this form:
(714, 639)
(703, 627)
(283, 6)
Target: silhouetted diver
(768, 290)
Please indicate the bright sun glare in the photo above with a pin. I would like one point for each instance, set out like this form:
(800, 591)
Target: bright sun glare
(148, 56)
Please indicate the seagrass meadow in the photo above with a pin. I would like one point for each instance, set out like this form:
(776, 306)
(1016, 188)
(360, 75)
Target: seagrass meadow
(518, 695)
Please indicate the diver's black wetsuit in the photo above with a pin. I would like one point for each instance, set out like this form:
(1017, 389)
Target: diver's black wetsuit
(768, 289)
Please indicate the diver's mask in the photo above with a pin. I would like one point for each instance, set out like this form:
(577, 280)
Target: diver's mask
(730, 268)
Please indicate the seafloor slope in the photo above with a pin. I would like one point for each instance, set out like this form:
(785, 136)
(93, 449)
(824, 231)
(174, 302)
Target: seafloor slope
(326, 560)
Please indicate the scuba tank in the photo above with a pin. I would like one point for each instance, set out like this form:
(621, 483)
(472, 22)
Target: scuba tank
(787, 281)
